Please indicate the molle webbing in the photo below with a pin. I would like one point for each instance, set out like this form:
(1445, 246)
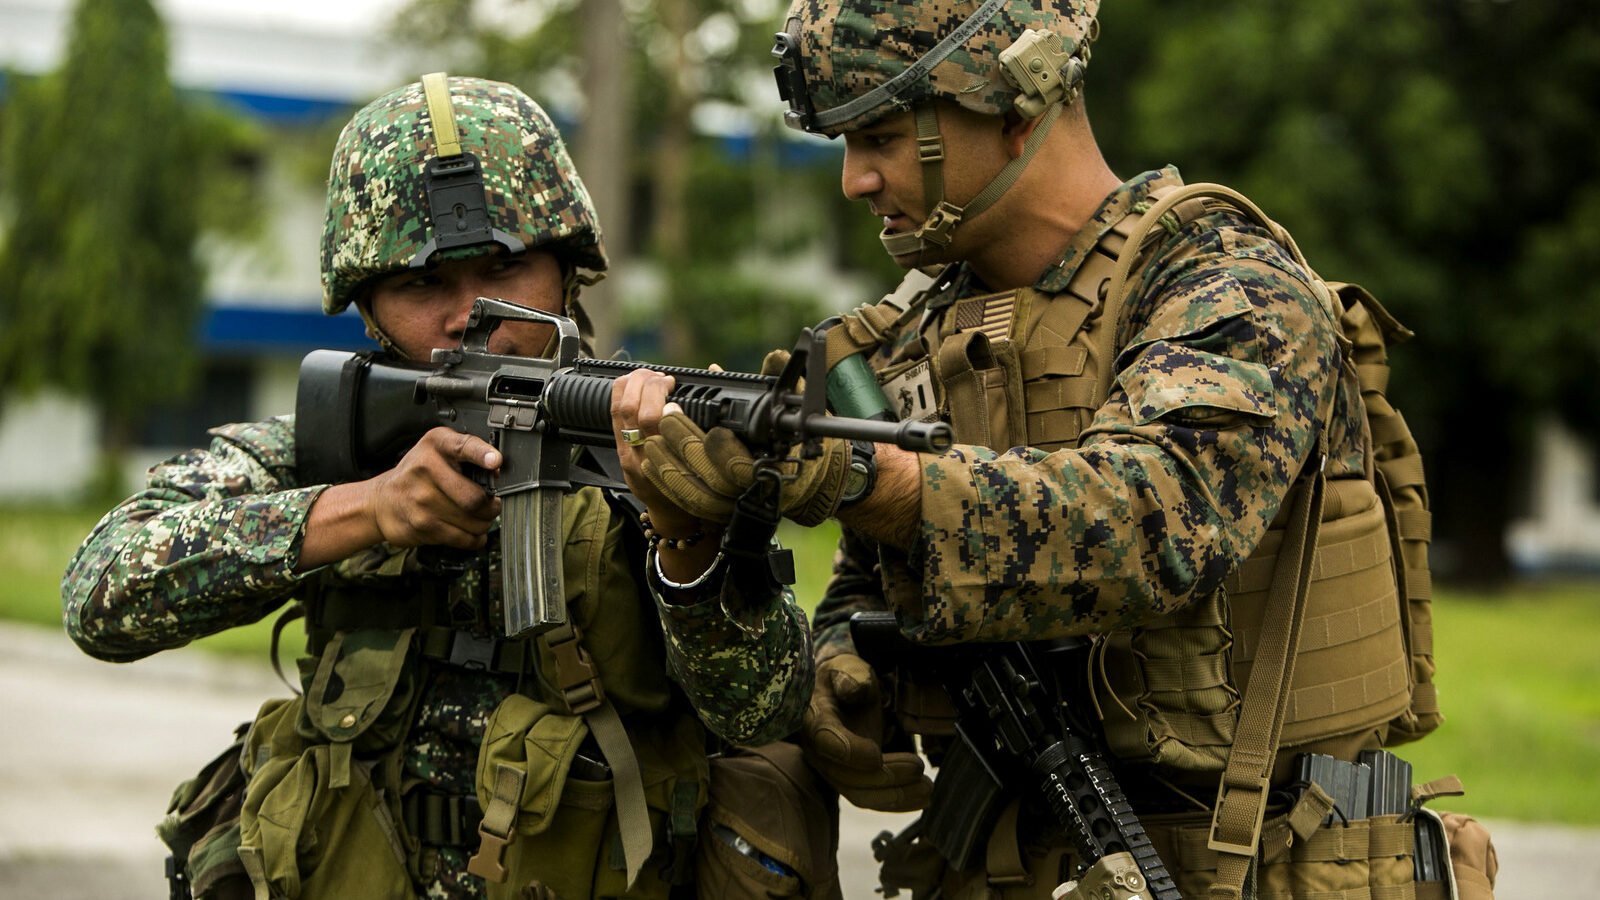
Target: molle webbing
(1350, 672)
(440, 819)
(1398, 476)
(354, 609)
(1060, 358)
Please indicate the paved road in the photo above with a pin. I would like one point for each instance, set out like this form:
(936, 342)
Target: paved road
(90, 752)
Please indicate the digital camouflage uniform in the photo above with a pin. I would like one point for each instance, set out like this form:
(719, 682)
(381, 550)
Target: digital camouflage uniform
(1114, 466)
(213, 539)
(211, 544)
(1223, 358)
(1174, 442)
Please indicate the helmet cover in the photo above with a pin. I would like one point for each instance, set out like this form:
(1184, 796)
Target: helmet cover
(379, 218)
(848, 48)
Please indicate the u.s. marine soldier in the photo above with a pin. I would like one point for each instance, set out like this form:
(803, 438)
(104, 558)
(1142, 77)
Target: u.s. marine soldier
(1137, 377)
(427, 755)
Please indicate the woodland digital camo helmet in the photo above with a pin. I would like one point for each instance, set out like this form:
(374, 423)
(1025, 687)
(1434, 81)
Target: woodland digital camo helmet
(844, 64)
(450, 167)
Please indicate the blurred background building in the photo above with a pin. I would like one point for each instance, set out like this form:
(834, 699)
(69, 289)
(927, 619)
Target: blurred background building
(295, 73)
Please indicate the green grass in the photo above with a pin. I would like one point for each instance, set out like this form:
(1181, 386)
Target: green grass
(1519, 674)
(1519, 683)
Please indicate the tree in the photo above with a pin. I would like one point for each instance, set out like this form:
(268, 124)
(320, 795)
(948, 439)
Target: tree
(1440, 152)
(667, 194)
(102, 288)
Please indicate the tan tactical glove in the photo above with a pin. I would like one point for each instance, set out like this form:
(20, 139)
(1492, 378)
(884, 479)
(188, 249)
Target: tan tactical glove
(705, 473)
(842, 738)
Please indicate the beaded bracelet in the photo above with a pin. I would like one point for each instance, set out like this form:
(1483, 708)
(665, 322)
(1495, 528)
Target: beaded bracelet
(677, 543)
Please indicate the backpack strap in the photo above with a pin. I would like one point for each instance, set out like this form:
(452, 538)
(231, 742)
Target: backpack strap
(1241, 804)
(1242, 794)
(578, 684)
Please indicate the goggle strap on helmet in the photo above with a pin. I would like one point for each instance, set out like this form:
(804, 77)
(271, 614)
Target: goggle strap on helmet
(899, 84)
(441, 115)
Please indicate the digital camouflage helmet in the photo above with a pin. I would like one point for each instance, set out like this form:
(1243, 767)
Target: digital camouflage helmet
(844, 64)
(450, 167)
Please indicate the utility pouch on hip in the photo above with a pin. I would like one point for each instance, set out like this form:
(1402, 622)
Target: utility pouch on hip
(202, 827)
(1471, 864)
(549, 805)
(310, 809)
(770, 830)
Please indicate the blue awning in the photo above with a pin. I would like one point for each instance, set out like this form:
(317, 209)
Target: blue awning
(275, 331)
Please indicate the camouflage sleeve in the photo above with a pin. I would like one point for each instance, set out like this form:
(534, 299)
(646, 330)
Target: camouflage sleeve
(1213, 411)
(854, 587)
(745, 663)
(210, 543)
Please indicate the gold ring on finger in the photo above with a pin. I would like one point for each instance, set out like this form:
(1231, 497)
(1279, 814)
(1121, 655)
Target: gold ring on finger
(632, 436)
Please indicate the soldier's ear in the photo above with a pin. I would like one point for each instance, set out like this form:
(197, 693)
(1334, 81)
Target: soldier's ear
(1015, 131)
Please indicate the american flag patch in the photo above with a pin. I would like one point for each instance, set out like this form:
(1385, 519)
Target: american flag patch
(990, 314)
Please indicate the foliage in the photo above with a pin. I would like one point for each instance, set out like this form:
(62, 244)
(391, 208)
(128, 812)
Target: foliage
(704, 203)
(222, 160)
(98, 263)
(1441, 153)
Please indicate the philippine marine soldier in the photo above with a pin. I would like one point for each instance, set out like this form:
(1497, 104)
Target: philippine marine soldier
(1138, 376)
(428, 755)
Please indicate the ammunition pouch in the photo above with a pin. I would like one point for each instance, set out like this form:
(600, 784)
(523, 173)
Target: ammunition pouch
(313, 807)
(983, 388)
(202, 830)
(550, 817)
(1359, 859)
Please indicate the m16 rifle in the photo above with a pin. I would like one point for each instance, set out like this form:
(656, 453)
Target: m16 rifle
(1015, 738)
(356, 414)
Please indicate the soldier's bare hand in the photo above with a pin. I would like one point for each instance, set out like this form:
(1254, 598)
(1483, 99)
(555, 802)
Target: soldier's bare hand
(426, 499)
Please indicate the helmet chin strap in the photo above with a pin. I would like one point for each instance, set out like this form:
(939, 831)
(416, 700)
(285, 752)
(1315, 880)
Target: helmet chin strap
(376, 333)
(939, 228)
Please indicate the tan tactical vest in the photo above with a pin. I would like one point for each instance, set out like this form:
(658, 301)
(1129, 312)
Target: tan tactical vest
(1021, 368)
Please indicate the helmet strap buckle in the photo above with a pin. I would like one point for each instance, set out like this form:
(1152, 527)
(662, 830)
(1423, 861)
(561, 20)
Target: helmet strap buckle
(940, 227)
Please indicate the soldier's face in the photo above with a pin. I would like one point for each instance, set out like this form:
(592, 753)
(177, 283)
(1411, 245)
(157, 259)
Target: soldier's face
(882, 166)
(427, 310)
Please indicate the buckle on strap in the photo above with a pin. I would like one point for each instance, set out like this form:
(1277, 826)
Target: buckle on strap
(464, 649)
(1239, 795)
(470, 651)
(498, 828)
(576, 677)
(941, 224)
